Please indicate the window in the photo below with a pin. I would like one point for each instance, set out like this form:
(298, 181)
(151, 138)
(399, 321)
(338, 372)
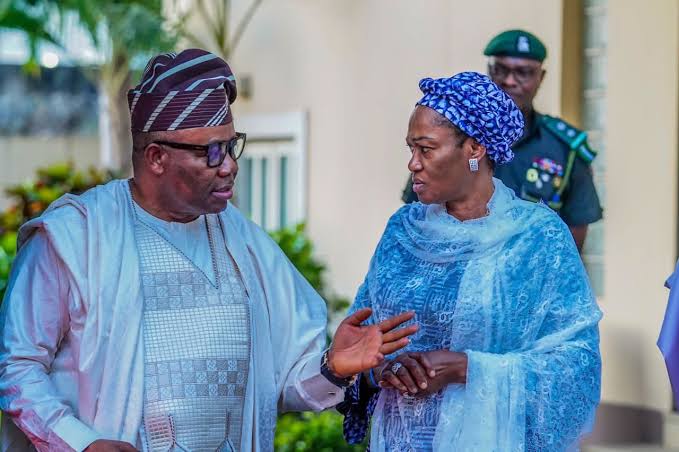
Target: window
(271, 182)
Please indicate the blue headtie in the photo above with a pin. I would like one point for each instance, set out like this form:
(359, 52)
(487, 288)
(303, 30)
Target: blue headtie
(479, 108)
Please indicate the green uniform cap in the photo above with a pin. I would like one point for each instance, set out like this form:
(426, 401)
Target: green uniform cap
(516, 43)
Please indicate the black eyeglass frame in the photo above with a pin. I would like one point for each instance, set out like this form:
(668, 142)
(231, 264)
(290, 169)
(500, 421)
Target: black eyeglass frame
(219, 149)
(522, 74)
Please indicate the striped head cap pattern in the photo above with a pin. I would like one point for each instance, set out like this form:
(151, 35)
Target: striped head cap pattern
(194, 88)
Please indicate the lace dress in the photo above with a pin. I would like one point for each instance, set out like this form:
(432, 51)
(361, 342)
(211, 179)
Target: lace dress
(508, 289)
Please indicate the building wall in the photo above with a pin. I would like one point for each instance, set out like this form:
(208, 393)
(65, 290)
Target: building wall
(641, 197)
(21, 156)
(354, 66)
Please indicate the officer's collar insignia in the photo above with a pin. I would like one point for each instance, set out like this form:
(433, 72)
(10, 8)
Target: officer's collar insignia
(575, 139)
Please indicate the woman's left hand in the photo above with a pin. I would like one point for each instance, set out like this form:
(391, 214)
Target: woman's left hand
(443, 366)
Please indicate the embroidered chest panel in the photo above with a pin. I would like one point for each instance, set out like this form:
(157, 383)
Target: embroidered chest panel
(197, 345)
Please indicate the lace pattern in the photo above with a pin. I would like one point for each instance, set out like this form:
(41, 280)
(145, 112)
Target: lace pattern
(510, 290)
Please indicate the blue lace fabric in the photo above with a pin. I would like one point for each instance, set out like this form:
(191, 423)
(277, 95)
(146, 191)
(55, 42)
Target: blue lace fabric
(358, 406)
(508, 289)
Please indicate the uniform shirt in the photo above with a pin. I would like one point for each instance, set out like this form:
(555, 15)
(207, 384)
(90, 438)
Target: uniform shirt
(543, 148)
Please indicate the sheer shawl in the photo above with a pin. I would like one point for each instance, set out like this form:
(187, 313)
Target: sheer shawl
(521, 309)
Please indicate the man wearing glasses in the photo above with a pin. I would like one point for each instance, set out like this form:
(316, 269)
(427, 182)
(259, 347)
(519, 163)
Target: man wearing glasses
(552, 160)
(145, 314)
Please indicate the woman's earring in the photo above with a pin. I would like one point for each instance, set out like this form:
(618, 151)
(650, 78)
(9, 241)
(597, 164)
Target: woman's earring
(474, 165)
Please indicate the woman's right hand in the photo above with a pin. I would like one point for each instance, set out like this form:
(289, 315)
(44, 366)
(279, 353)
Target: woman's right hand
(442, 367)
(408, 373)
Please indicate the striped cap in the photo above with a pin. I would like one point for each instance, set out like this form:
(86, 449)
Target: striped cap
(182, 91)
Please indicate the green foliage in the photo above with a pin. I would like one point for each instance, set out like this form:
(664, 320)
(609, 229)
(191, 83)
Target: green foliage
(126, 32)
(302, 432)
(31, 198)
(299, 249)
(31, 17)
(136, 27)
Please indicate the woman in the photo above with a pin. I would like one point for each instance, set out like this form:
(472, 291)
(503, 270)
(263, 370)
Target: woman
(507, 356)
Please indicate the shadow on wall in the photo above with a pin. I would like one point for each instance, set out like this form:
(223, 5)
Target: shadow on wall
(622, 424)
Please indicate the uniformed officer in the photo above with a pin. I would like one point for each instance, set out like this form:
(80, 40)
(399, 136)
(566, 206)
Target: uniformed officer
(552, 160)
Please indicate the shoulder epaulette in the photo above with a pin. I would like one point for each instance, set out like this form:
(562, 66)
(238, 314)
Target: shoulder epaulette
(574, 138)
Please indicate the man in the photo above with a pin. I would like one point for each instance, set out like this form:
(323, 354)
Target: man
(552, 159)
(145, 314)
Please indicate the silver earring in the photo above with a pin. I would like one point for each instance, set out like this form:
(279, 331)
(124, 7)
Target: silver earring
(474, 165)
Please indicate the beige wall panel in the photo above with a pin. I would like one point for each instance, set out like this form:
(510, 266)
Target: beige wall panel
(640, 215)
(21, 156)
(354, 66)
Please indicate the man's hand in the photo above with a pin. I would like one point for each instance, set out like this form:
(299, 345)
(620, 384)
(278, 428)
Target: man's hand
(107, 445)
(357, 347)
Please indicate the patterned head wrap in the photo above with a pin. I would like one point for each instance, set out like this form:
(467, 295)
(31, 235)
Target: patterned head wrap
(479, 108)
(181, 91)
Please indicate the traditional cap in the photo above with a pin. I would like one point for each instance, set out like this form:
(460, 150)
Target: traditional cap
(479, 108)
(516, 43)
(181, 91)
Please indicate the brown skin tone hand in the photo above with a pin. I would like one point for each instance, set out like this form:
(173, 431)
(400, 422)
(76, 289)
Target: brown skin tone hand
(356, 348)
(107, 445)
(579, 234)
(426, 373)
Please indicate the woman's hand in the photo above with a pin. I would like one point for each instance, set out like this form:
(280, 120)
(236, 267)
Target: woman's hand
(405, 373)
(439, 367)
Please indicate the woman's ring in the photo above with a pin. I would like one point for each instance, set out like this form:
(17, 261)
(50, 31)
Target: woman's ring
(396, 367)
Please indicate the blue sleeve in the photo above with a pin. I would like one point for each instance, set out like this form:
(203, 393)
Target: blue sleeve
(358, 407)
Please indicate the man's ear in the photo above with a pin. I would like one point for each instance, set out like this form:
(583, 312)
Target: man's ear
(155, 158)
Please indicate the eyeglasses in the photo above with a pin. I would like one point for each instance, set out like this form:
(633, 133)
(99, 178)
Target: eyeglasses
(522, 74)
(216, 152)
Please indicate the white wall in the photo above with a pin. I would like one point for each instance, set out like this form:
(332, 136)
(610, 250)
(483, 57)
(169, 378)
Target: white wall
(641, 201)
(354, 66)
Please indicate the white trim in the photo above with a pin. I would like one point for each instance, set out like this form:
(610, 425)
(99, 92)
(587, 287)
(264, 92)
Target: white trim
(276, 135)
